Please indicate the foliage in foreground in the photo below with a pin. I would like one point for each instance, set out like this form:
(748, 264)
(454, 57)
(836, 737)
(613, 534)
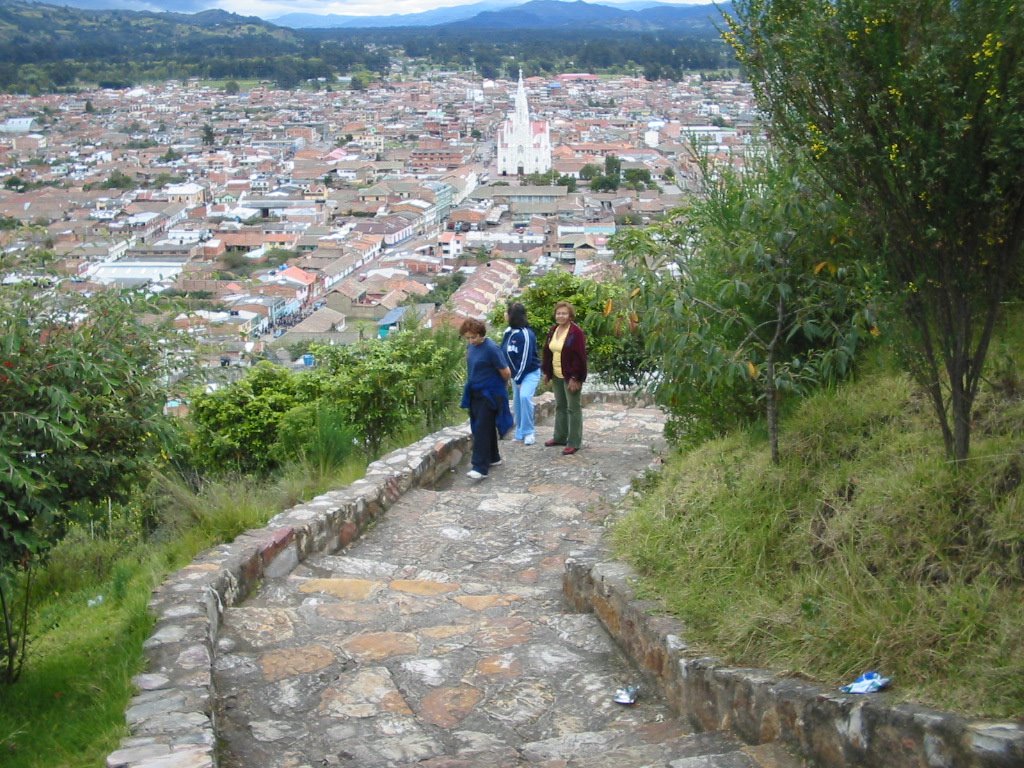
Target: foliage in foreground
(913, 112)
(865, 548)
(615, 350)
(299, 433)
(80, 395)
(371, 391)
(751, 295)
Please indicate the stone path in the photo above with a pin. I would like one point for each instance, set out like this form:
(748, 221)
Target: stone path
(440, 638)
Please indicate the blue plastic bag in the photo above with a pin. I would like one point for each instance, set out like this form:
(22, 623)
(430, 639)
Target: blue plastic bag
(869, 682)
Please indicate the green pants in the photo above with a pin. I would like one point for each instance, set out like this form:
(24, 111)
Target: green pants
(568, 414)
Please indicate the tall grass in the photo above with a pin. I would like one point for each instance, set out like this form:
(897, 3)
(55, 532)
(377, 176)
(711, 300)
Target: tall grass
(865, 549)
(91, 617)
(67, 709)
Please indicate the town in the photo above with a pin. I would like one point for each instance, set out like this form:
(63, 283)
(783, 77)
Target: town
(322, 214)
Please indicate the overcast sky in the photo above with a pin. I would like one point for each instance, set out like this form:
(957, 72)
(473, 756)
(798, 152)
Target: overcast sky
(269, 9)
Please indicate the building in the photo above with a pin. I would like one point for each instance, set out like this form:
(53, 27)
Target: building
(524, 145)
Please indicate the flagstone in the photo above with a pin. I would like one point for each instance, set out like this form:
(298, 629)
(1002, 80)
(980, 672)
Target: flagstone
(500, 665)
(447, 707)
(262, 627)
(375, 646)
(483, 602)
(365, 693)
(425, 588)
(497, 634)
(354, 612)
(346, 589)
(286, 662)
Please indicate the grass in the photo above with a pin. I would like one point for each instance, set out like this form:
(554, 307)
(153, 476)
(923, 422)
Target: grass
(864, 549)
(67, 709)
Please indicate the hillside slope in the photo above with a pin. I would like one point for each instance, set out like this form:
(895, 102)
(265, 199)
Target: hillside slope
(864, 550)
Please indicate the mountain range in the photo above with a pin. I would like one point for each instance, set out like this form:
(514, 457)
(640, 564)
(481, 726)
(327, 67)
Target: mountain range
(634, 15)
(51, 47)
(550, 14)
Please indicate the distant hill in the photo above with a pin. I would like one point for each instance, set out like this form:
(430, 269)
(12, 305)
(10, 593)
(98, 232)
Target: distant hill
(48, 47)
(667, 16)
(424, 19)
(35, 32)
(553, 14)
(538, 14)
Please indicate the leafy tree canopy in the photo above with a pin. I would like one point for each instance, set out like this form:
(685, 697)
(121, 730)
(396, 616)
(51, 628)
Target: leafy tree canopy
(748, 294)
(913, 113)
(603, 311)
(81, 391)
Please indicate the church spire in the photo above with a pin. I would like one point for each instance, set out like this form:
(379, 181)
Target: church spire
(522, 117)
(524, 146)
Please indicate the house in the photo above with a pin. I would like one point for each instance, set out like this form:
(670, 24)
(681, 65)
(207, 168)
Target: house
(420, 314)
(189, 194)
(484, 289)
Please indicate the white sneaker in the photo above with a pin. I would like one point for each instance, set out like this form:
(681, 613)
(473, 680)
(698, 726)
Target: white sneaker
(474, 475)
(496, 463)
(529, 440)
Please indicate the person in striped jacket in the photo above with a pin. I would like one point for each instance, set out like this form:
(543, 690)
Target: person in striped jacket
(520, 345)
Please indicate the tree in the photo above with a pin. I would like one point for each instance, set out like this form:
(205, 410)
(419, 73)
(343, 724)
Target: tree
(118, 180)
(637, 178)
(231, 87)
(434, 365)
(236, 427)
(80, 419)
(747, 294)
(914, 113)
(614, 349)
(374, 393)
(613, 167)
(209, 138)
(359, 81)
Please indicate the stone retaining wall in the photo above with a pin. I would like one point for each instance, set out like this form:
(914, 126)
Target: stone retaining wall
(826, 727)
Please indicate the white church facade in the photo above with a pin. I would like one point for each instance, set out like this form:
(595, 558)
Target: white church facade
(524, 145)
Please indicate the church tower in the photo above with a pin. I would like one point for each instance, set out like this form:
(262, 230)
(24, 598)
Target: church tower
(524, 145)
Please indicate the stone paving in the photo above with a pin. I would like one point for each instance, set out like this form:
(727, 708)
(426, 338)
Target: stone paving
(440, 638)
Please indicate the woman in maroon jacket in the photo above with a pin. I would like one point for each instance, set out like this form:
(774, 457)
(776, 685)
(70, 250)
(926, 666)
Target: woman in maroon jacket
(564, 363)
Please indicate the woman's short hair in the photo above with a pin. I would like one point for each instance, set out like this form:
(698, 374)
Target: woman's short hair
(517, 315)
(567, 305)
(471, 326)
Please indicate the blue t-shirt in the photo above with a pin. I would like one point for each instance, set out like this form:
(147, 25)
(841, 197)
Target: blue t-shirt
(483, 361)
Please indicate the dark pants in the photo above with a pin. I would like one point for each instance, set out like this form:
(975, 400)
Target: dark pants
(483, 422)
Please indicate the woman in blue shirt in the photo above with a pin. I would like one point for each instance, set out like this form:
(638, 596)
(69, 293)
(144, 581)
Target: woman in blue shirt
(485, 395)
(519, 343)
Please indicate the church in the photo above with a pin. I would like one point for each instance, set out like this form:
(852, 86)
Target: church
(524, 145)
